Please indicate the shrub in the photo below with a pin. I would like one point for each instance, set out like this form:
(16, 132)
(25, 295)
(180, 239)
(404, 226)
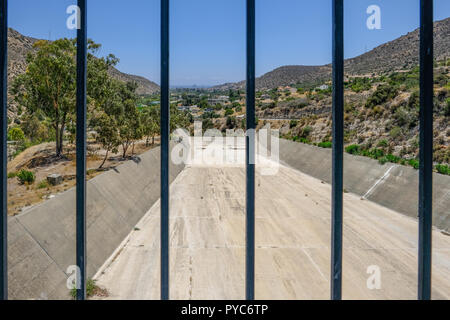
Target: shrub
(383, 143)
(304, 140)
(12, 175)
(231, 122)
(443, 169)
(395, 132)
(383, 160)
(293, 123)
(229, 112)
(16, 134)
(389, 158)
(373, 153)
(383, 94)
(325, 144)
(414, 101)
(407, 117)
(360, 84)
(43, 184)
(91, 287)
(26, 177)
(414, 163)
(447, 108)
(306, 131)
(353, 149)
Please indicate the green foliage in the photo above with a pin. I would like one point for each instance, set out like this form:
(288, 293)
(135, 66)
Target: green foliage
(409, 79)
(293, 124)
(389, 158)
(150, 122)
(26, 177)
(447, 108)
(374, 153)
(414, 101)
(383, 143)
(305, 132)
(228, 112)
(353, 149)
(231, 122)
(43, 184)
(414, 163)
(443, 169)
(48, 88)
(406, 117)
(301, 139)
(91, 287)
(395, 132)
(382, 94)
(36, 129)
(12, 175)
(16, 134)
(360, 84)
(325, 144)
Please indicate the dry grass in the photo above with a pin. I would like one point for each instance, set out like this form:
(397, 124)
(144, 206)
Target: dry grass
(42, 161)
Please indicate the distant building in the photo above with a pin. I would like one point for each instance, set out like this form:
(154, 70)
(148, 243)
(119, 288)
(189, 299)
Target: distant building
(192, 109)
(184, 108)
(323, 87)
(218, 100)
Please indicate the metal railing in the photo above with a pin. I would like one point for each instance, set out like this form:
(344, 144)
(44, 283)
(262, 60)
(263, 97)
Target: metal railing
(426, 150)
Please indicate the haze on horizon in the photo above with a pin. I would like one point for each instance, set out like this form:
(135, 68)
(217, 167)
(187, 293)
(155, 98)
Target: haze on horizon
(208, 37)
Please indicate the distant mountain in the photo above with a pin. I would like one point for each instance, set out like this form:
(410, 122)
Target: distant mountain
(19, 46)
(145, 86)
(399, 54)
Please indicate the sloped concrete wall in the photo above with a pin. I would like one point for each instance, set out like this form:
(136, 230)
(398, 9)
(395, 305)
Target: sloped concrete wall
(393, 186)
(42, 240)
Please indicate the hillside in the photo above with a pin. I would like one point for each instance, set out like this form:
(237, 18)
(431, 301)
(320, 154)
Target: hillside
(19, 46)
(399, 54)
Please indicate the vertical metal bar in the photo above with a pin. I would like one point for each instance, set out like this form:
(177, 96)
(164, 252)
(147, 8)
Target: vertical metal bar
(338, 149)
(4, 151)
(426, 148)
(250, 155)
(81, 149)
(165, 131)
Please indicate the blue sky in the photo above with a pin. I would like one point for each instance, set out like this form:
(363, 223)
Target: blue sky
(208, 36)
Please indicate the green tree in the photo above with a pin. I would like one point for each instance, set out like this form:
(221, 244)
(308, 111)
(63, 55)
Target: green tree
(48, 88)
(106, 133)
(150, 123)
(129, 120)
(49, 84)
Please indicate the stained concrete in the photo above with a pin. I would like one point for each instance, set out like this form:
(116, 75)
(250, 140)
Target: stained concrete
(398, 190)
(207, 239)
(292, 230)
(42, 240)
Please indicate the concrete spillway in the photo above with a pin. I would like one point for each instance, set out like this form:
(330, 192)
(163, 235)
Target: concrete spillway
(208, 230)
(207, 242)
